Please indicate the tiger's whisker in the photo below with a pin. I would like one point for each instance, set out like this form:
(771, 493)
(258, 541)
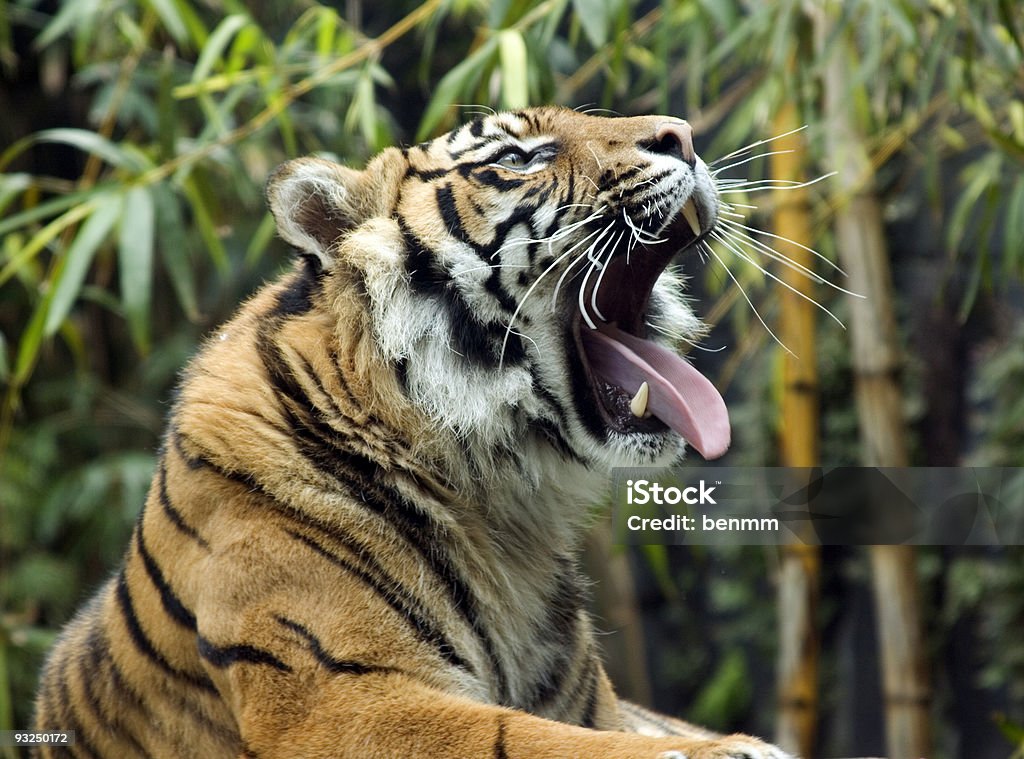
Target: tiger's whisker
(600, 277)
(732, 187)
(748, 159)
(736, 225)
(529, 291)
(709, 249)
(732, 247)
(752, 145)
(680, 337)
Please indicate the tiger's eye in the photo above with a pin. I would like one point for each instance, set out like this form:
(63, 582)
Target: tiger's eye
(514, 159)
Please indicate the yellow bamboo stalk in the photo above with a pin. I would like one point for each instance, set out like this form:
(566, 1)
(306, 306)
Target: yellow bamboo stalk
(876, 360)
(799, 576)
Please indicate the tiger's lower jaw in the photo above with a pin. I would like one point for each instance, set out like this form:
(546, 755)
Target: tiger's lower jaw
(645, 449)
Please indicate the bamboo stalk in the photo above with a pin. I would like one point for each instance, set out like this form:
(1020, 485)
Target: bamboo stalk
(799, 575)
(876, 361)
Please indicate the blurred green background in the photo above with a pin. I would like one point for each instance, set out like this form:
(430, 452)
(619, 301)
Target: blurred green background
(135, 138)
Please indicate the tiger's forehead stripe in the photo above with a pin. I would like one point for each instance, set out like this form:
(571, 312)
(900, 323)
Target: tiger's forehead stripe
(488, 130)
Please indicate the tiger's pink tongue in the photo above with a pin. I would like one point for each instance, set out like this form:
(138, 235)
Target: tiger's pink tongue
(680, 396)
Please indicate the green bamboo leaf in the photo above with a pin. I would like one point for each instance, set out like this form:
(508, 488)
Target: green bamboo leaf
(5, 367)
(174, 249)
(70, 16)
(261, 238)
(326, 31)
(595, 17)
(131, 31)
(454, 85)
(6, 43)
(1014, 230)
(28, 346)
(11, 186)
(83, 139)
(982, 175)
(43, 210)
(42, 238)
(197, 31)
(1012, 732)
(216, 44)
(515, 91)
(207, 229)
(70, 273)
(244, 49)
(135, 262)
(173, 22)
(363, 110)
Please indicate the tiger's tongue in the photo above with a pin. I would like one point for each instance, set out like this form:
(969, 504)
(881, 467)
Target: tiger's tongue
(680, 396)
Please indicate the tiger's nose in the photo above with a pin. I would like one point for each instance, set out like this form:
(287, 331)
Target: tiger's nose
(676, 138)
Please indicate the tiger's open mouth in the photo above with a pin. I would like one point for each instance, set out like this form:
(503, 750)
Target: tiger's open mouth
(636, 384)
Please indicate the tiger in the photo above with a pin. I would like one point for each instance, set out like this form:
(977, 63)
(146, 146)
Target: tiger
(362, 532)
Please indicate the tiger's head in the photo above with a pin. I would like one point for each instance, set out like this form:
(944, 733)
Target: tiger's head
(515, 274)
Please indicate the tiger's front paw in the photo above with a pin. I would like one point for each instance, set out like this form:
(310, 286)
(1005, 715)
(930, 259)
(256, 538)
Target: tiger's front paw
(729, 747)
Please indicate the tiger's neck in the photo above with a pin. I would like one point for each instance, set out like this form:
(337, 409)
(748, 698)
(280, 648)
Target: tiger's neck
(339, 418)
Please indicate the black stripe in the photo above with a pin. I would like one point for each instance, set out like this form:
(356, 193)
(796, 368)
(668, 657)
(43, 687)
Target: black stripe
(590, 710)
(328, 662)
(367, 483)
(491, 177)
(93, 669)
(90, 665)
(172, 513)
(427, 276)
(552, 430)
(145, 646)
(426, 175)
(177, 440)
(68, 718)
(225, 656)
(552, 433)
(175, 609)
(402, 374)
(478, 342)
(398, 598)
(297, 296)
(125, 690)
(564, 206)
(561, 624)
(186, 705)
(205, 462)
(448, 208)
(500, 751)
(481, 343)
(582, 395)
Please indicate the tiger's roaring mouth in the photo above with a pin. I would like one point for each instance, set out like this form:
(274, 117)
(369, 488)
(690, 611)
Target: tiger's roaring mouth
(638, 385)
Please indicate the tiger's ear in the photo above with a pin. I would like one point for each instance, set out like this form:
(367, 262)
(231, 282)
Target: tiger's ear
(316, 202)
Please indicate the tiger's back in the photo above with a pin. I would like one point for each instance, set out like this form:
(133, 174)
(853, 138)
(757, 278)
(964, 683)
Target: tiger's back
(361, 536)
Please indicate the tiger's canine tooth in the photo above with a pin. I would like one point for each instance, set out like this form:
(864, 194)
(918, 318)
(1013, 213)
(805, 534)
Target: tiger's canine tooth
(690, 214)
(639, 403)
